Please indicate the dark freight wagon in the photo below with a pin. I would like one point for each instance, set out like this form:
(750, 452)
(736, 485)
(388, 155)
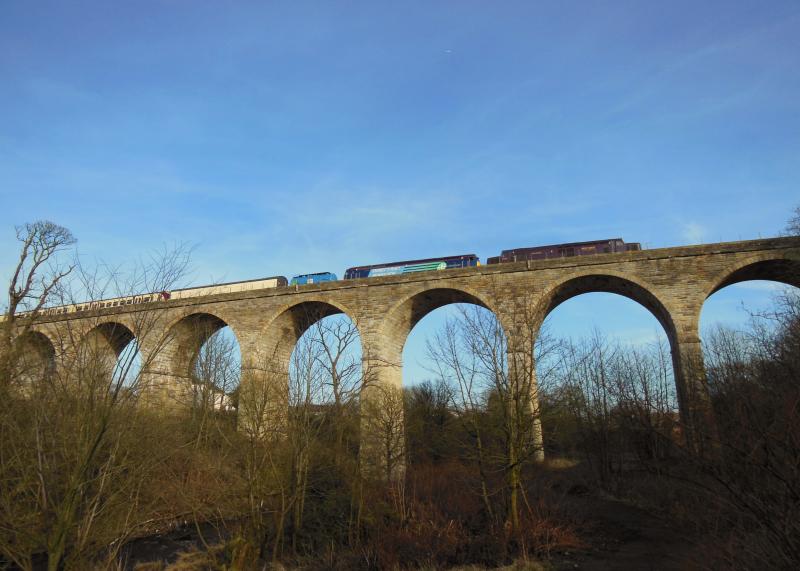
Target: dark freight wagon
(607, 246)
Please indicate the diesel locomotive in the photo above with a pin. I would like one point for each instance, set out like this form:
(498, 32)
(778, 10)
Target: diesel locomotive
(426, 265)
(313, 278)
(607, 246)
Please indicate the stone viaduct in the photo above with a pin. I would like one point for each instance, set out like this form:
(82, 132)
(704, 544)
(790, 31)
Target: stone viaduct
(672, 283)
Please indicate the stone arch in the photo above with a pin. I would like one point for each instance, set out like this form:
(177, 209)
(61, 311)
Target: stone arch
(776, 266)
(184, 338)
(264, 387)
(40, 340)
(100, 347)
(218, 313)
(113, 336)
(606, 282)
(37, 357)
(282, 332)
(687, 362)
(382, 435)
(401, 318)
(781, 268)
(170, 364)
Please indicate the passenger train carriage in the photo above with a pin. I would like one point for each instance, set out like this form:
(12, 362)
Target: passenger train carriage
(183, 293)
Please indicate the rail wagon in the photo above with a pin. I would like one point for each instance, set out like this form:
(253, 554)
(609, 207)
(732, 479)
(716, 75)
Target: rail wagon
(183, 293)
(609, 245)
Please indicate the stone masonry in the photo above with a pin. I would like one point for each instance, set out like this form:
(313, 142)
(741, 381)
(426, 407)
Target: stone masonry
(672, 283)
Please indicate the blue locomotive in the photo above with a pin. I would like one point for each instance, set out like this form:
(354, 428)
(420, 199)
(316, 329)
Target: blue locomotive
(317, 278)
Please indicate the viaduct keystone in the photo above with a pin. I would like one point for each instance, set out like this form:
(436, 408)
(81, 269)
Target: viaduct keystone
(672, 283)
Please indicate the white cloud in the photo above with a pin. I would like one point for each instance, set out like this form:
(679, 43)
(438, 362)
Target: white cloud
(694, 233)
(639, 337)
(763, 286)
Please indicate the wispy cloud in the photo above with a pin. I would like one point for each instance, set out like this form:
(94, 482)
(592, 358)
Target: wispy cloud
(639, 336)
(694, 233)
(700, 58)
(762, 286)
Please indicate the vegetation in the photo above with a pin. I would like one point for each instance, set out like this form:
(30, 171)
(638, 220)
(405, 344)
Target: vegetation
(89, 469)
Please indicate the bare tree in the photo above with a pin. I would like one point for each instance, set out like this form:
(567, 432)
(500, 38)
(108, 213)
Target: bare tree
(461, 370)
(264, 421)
(382, 412)
(214, 383)
(756, 482)
(336, 338)
(72, 465)
(37, 273)
(295, 424)
(793, 225)
(325, 381)
(472, 353)
(307, 380)
(37, 276)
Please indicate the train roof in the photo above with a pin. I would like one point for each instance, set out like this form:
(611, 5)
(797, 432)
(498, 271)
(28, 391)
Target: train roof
(126, 296)
(314, 274)
(222, 284)
(406, 262)
(568, 244)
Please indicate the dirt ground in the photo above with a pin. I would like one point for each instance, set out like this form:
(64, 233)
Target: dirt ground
(621, 536)
(617, 535)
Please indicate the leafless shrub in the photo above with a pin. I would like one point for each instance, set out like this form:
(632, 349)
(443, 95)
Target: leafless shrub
(72, 462)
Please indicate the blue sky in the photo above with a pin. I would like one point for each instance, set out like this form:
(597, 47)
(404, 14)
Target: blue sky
(291, 137)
